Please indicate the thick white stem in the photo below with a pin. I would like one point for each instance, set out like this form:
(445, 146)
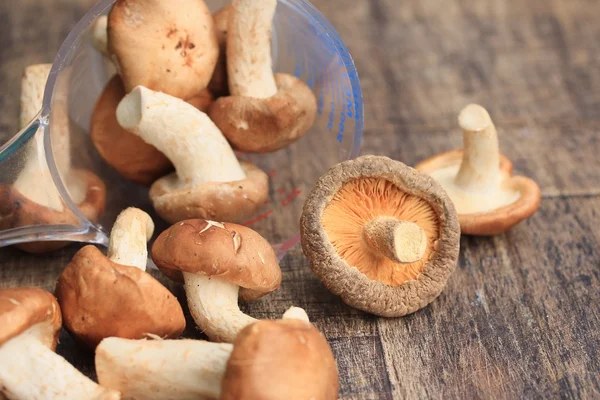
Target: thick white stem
(249, 63)
(187, 136)
(30, 370)
(162, 369)
(129, 237)
(400, 241)
(480, 168)
(214, 306)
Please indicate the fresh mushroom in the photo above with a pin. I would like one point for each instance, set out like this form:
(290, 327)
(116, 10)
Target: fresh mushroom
(218, 261)
(380, 235)
(478, 179)
(30, 369)
(99, 32)
(103, 296)
(218, 83)
(286, 359)
(33, 198)
(166, 45)
(265, 112)
(209, 182)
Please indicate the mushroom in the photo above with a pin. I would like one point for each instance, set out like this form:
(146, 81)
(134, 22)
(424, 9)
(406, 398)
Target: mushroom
(265, 112)
(33, 199)
(166, 45)
(478, 179)
(286, 359)
(218, 83)
(30, 369)
(209, 182)
(381, 235)
(103, 296)
(99, 32)
(218, 261)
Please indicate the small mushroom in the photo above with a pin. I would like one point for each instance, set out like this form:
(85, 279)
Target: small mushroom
(265, 112)
(380, 235)
(286, 359)
(99, 32)
(209, 182)
(132, 303)
(30, 369)
(218, 83)
(33, 199)
(218, 261)
(478, 179)
(166, 45)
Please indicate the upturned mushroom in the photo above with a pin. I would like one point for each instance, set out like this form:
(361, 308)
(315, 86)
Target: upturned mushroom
(33, 199)
(265, 112)
(286, 359)
(30, 369)
(488, 198)
(208, 182)
(218, 83)
(379, 234)
(166, 45)
(103, 296)
(218, 262)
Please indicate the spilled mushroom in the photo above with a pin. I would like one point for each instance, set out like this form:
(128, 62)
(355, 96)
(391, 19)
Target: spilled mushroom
(379, 234)
(285, 359)
(209, 182)
(218, 262)
(30, 323)
(488, 198)
(265, 112)
(134, 305)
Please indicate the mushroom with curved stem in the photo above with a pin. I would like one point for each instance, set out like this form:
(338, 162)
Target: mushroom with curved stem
(134, 305)
(209, 182)
(380, 235)
(479, 180)
(269, 360)
(33, 198)
(30, 323)
(265, 112)
(218, 262)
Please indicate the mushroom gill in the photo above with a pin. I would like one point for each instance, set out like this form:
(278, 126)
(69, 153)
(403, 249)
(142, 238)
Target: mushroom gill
(363, 200)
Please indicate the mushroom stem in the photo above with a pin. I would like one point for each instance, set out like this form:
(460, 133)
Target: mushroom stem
(296, 313)
(184, 134)
(162, 369)
(100, 34)
(480, 167)
(214, 306)
(400, 241)
(36, 372)
(128, 238)
(249, 63)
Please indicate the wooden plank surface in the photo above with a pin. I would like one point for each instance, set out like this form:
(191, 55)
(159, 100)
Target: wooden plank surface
(520, 317)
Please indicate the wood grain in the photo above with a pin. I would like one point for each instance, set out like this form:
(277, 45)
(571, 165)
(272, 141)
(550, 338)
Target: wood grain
(520, 317)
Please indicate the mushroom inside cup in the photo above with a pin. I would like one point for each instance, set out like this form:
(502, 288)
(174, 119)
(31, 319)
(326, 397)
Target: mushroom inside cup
(478, 179)
(179, 50)
(103, 296)
(30, 323)
(285, 359)
(209, 181)
(33, 198)
(265, 112)
(218, 262)
(381, 235)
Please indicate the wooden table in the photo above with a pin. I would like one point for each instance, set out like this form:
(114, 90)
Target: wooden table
(520, 317)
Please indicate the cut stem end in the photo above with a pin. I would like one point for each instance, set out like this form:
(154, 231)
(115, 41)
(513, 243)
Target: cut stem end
(400, 241)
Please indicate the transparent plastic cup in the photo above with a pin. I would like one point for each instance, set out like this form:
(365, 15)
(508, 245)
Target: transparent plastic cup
(304, 44)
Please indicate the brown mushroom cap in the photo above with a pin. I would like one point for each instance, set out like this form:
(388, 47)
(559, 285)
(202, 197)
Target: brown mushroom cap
(127, 153)
(24, 307)
(17, 210)
(230, 252)
(219, 84)
(350, 195)
(286, 359)
(501, 219)
(235, 201)
(168, 46)
(100, 299)
(265, 125)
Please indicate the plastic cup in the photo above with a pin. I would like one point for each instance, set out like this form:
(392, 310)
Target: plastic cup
(304, 44)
